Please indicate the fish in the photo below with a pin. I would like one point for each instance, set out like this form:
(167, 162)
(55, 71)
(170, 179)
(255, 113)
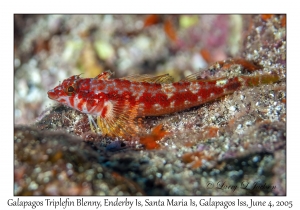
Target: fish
(120, 104)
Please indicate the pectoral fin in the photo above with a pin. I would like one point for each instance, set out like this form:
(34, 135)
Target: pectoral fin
(118, 118)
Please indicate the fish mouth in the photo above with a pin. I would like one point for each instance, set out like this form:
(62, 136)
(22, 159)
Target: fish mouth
(52, 94)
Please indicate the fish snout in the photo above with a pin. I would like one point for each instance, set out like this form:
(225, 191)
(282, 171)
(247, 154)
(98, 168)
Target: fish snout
(52, 94)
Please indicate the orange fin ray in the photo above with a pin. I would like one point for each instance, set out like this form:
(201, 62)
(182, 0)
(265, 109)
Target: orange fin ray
(104, 75)
(120, 121)
(161, 79)
(193, 77)
(197, 77)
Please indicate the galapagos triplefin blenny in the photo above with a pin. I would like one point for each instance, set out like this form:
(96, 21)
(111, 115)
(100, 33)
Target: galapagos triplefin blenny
(119, 103)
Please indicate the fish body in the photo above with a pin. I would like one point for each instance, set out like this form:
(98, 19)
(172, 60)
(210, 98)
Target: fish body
(118, 103)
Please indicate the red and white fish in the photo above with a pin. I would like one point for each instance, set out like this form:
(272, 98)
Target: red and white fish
(119, 103)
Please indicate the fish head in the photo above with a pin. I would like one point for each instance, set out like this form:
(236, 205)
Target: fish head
(76, 93)
(68, 88)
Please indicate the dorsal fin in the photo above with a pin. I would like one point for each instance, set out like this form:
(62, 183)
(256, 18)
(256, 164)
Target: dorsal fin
(193, 77)
(197, 77)
(104, 75)
(161, 79)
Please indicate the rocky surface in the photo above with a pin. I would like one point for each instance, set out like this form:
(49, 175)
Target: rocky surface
(232, 146)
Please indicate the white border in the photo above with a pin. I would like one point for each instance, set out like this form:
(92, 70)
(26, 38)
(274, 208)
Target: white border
(8, 8)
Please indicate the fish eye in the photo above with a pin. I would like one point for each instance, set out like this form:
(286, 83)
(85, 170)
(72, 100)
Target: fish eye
(70, 90)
